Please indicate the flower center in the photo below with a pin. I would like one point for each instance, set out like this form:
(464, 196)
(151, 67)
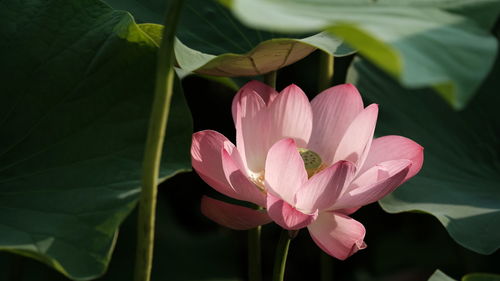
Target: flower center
(312, 161)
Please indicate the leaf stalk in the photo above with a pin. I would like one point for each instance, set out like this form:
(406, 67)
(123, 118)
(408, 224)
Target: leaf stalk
(282, 254)
(154, 144)
(325, 77)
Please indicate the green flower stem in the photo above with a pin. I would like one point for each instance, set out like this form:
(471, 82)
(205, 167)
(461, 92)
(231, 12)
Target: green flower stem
(282, 253)
(325, 76)
(254, 254)
(154, 144)
(270, 78)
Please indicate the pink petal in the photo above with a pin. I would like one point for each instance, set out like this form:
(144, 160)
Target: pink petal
(338, 235)
(333, 111)
(287, 216)
(374, 184)
(251, 130)
(243, 188)
(322, 189)
(233, 216)
(356, 141)
(267, 94)
(285, 171)
(290, 116)
(206, 159)
(394, 148)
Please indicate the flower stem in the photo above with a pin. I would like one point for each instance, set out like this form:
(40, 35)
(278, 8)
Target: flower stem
(154, 144)
(282, 253)
(270, 78)
(325, 71)
(254, 254)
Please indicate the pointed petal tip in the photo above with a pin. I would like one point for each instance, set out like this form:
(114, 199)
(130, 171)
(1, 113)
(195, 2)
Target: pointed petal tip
(289, 141)
(257, 92)
(285, 142)
(343, 89)
(347, 86)
(373, 106)
(197, 137)
(350, 168)
(357, 246)
(292, 88)
(224, 154)
(372, 114)
(260, 88)
(345, 163)
(254, 83)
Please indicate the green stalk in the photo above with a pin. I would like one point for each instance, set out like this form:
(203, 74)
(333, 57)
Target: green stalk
(254, 254)
(325, 71)
(282, 253)
(270, 78)
(154, 144)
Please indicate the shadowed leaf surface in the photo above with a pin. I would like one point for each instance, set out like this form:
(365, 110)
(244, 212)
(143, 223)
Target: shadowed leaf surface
(77, 83)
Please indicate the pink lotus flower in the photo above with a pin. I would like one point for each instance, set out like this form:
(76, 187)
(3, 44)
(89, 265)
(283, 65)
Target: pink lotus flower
(306, 164)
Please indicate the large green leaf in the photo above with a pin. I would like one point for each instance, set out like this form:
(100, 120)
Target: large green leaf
(441, 43)
(77, 83)
(212, 41)
(460, 180)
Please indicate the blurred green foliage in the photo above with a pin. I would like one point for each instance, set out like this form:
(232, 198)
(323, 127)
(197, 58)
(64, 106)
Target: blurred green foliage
(421, 43)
